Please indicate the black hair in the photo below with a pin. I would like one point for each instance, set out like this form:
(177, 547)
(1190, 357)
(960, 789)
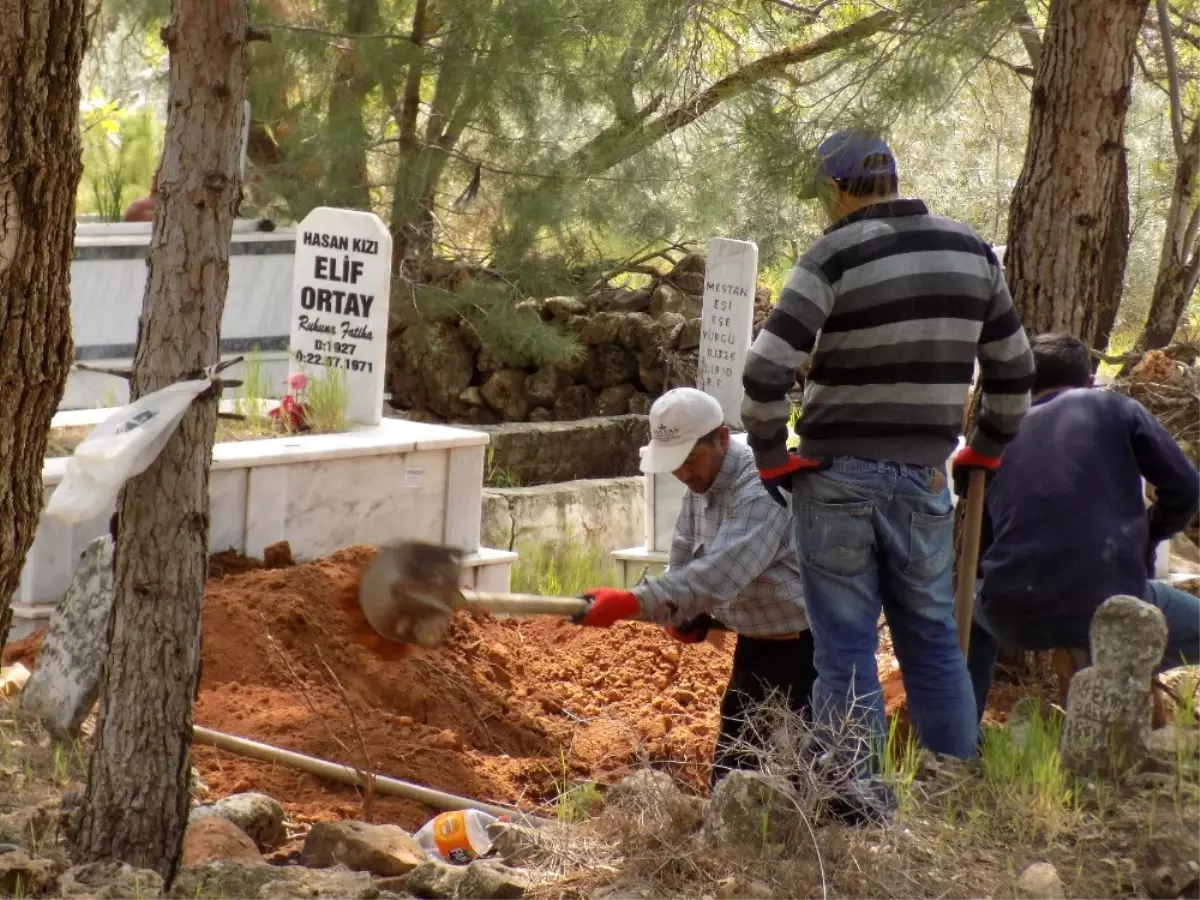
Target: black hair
(871, 185)
(1060, 360)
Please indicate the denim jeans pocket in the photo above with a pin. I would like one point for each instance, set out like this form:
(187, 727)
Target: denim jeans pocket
(838, 537)
(930, 544)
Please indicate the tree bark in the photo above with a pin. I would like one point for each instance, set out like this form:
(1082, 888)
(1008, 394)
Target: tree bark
(1179, 261)
(1112, 283)
(348, 181)
(42, 43)
(1062, 211)
(136, 803)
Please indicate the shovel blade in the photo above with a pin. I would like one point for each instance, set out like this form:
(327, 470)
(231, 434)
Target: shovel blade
(409, 591)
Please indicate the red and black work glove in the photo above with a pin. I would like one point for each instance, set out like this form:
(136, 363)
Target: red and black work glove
(963, 462)
(779, 478)
(693, 631)
(608, 605)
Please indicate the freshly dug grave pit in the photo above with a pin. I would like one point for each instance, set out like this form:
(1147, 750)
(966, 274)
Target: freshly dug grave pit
(509, 711)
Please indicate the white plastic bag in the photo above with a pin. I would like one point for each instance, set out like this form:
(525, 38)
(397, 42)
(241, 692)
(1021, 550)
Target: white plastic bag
(120, 447)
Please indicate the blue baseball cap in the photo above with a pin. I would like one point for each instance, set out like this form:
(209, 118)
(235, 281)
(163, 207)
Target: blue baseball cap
(851, 154)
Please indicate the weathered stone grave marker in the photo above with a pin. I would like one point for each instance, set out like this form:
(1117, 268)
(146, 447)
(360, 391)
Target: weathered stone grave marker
(340, 299)
(1109, 704)
(65, 683)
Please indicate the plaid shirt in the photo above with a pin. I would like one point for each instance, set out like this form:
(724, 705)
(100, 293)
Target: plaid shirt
(732, 557)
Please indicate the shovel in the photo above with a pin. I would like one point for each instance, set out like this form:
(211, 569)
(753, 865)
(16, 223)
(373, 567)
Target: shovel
(968, 557)
(410, 590)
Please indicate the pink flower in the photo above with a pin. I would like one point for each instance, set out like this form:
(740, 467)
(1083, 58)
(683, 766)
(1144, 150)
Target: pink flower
(297, 381)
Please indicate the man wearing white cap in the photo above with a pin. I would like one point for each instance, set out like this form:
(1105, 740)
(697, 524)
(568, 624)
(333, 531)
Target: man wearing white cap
(731, 565)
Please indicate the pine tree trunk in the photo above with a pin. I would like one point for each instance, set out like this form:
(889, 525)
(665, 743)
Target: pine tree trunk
(1062, 209)
(1112, 285)
(136, 803)
(1179, 262)
(42, 44)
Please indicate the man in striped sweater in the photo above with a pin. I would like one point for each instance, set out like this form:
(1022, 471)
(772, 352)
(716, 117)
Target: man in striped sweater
(895, 305)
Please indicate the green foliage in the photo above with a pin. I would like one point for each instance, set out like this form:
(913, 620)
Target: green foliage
(121, 147)
(546, 140)
(564, 569)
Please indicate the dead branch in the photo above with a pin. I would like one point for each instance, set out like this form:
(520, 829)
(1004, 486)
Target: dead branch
(366, 778)
(369, 780)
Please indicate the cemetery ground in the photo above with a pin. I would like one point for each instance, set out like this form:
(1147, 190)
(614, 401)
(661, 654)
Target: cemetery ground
(606, 734)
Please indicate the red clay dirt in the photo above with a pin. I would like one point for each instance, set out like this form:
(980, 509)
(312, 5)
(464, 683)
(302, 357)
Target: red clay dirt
(505, 710)
(509, 711)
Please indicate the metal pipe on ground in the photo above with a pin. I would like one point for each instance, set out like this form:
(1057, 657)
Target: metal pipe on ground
(348, 775)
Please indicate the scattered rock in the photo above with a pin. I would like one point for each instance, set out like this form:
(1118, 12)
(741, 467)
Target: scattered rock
(488, 880)
(750, 812)
(562, 308)
(472, 396)
(540, 414)
(436, 880)
(575, 403)
(515, 845)
(602, 328)
(504, 391)
(278, 556)
(1109, 704)
(669, 299)
(609, 365)
(614, 401)
(221, 878)
(1040, 882)
(212, 838)
(108, 881)
(430, 367)
(259, 816)
(1173, 743)
(545, 386)
(66, 682)
(686, 336)
(621, 300)
(655, 798)
(22, 875)
(638, 331)
(689, 282)
(639, 404)
(378, 849)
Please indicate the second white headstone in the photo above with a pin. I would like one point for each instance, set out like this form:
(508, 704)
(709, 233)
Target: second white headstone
(727, 322)
(340, 298)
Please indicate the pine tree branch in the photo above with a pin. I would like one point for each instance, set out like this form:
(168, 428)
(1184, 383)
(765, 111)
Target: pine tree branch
(1028, 33)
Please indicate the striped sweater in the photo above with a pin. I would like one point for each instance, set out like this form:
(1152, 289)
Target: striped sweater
(899, 304)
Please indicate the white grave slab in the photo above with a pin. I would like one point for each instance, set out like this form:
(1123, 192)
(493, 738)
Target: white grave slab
(727, 322)
(340, 296)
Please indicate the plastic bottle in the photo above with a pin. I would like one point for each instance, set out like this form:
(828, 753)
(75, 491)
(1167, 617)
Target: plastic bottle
(458, 836)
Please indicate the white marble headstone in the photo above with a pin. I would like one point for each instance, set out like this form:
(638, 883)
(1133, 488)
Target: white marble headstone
(340, 296)
(727, 322)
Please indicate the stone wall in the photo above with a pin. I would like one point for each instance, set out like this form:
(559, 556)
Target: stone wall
(637, 344)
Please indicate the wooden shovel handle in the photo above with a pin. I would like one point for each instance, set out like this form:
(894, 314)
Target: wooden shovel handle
(525, 604)
(968, 557)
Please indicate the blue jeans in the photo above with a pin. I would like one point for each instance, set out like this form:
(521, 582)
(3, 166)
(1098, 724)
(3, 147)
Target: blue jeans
(877, 535)
(1054, 630)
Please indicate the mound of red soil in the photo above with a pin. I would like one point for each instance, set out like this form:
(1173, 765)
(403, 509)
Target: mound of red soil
(506, 710)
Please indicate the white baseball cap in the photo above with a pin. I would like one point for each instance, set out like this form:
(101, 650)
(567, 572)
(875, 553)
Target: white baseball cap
(678, 419)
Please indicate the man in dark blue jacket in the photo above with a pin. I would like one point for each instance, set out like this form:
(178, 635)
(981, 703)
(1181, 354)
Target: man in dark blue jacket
(1066, 524)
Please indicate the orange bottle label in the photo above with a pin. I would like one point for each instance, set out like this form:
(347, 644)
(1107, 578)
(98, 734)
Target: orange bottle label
(450, 835)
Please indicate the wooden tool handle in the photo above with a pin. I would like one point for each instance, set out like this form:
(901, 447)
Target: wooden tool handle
(525, 604)
(968, 558)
